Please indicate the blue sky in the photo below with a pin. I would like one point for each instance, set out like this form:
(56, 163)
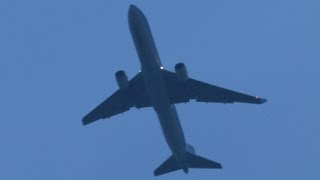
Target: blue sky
(58, 59)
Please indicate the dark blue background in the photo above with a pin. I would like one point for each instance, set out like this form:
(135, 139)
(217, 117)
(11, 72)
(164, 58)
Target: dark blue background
(58, 59)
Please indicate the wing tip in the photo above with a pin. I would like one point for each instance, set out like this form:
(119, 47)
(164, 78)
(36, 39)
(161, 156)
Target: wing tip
(261, 100)
(86, 121)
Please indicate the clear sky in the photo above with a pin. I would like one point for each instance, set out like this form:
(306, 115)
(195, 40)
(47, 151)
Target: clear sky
(58, 59)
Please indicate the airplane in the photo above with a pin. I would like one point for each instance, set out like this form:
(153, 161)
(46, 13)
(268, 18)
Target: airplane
(161, 89)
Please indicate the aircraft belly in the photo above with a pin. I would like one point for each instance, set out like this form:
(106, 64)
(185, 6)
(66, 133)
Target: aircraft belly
(166, 112)
(155, 85)
(172, 131)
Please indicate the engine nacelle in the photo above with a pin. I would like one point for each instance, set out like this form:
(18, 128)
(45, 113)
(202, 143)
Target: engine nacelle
(181, 72)
(122, 79)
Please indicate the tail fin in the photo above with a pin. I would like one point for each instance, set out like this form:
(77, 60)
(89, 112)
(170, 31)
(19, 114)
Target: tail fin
(193, 161)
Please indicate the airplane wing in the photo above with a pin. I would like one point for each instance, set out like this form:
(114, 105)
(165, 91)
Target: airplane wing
(202, 92)
(121, 101)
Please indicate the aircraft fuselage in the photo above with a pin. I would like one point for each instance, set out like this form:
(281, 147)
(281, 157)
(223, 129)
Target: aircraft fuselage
(155, 85)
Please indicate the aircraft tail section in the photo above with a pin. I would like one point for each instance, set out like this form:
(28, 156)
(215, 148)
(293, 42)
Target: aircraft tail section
(168, 166)
(193, 161)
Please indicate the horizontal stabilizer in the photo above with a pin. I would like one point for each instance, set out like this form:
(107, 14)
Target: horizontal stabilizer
(168, 166)
(195, 161)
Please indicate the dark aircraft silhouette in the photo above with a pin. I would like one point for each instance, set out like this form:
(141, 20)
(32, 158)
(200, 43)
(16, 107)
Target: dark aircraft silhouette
(161, 89)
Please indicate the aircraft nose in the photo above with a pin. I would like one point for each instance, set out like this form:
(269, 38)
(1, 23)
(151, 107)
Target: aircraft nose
(135, 16)
(132, 7)
(133, 10)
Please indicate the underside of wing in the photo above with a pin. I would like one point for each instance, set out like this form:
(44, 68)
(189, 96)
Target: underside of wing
(115, 104)
(121, 101)
(203, 92)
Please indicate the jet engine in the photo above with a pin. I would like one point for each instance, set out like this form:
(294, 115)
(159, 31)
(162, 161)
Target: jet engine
(122, 79)
(181, 72)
